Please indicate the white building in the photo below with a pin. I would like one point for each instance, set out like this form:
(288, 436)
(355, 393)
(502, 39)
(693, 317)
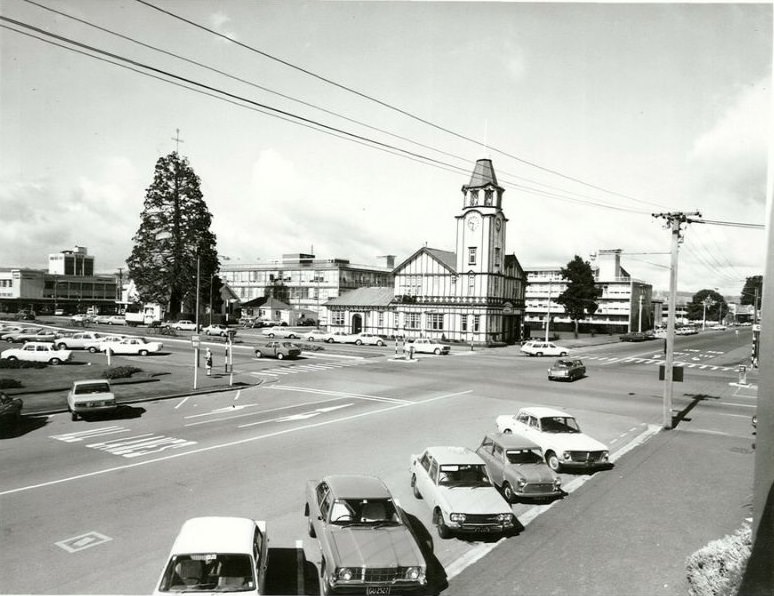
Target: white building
(625, 304)
(475, 294)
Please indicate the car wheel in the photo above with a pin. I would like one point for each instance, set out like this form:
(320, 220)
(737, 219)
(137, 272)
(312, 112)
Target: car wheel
(380, 343)
(310, 338)
(280, 356)
(12, 358)
(437, 351)
(292, 336)
(73, 416)
(538, 354)
(329, 340)
(92, 349)
(55, 361)
(553, 461)
(507, 431)
(508, 492)
(258, 354)
(414, 488)
(143, 352)
(270, 334)
(443, 529)
(563, 353)
(358, 342)
(61, 346)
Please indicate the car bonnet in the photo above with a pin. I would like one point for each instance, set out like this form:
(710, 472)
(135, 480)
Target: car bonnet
(387, 546)
(575, 442)
(533, 473)
(466, 499)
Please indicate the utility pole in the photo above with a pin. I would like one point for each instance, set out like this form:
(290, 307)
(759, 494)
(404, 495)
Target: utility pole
(674, 222)
(548, 309)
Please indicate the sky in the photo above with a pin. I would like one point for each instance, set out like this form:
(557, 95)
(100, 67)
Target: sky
(347, 129)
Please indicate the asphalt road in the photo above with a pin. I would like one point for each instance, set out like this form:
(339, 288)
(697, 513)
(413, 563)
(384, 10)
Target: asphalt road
(93, 506)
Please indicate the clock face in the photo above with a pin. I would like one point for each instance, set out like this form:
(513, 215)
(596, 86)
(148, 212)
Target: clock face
(473, 223)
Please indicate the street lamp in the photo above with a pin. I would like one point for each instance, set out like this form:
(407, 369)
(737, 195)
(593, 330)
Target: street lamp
(706, 303)
(639, 324)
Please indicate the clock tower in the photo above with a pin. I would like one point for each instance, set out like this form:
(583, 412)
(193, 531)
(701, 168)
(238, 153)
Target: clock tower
(481, 227)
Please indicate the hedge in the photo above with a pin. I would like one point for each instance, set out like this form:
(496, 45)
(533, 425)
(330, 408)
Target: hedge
(121, 372)
(717, 569)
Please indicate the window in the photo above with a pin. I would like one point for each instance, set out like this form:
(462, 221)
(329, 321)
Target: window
(380, 319)
(497, 257)
(472, 250)
(337, 317)
(488, 193)
(471, 283)
(435, 322)
(464, 322)
(476, 322)
(474, 197)
(412, 320)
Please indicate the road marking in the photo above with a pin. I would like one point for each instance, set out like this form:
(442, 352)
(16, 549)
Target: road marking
(140, 445)
(296, 417)
(82, 435)
(82, 542)
(182, 401)
(341, 394)
(254, 413)
(285, 431)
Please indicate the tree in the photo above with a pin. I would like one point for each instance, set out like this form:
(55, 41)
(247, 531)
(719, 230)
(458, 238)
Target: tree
(753, 288)
(174, 234)
(707, 305)
(580, 297)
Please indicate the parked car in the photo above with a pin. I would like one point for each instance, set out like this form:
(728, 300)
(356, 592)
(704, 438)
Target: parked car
(10, 410)
(559, 436)
(116, 320)
(454, 483)
(368, 339)
(132, 345)
(218, 329)
(367, 543)
(98, 345)
(278, 349)
(35, 351)
(543, 348)
(213, 555)
(686, 331)
(637, 336)
(92, 396)
(280, 331)
(718, 328)
(6, 328)
(29, 334)
(183, 325)
(83, 340)
(567, 369)
(81, 318)
(428, 346)
(102, 319)
(515, 465)
(315, 335)
(340, 337)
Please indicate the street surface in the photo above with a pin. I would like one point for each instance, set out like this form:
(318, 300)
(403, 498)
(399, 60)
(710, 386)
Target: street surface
(93, 506)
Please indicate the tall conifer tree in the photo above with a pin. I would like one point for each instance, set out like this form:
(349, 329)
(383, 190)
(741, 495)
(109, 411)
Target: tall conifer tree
(580, 297)
(174, 233)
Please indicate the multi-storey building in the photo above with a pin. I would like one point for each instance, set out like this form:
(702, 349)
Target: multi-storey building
(475, 294)
(69, 285)
(301, 280)
(625, 304)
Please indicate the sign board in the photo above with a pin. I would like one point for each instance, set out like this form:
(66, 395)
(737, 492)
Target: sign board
(756, 327)
(195, 341)
(677, 373)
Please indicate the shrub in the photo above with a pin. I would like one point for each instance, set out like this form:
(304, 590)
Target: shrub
(717, 569)
(6, 363)
(121, 372)
(10, 384)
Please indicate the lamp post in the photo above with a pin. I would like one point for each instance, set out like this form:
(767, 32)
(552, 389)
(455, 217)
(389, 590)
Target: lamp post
(548, 309)
(707, 302)
(639, 324)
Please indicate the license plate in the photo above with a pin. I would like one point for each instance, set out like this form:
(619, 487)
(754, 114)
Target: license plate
(377, 590)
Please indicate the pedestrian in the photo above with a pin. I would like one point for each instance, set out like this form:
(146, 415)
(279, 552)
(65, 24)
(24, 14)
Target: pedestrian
(208, 361)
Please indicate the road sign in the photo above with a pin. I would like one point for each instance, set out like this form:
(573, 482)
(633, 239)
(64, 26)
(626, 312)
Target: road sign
(195, 341)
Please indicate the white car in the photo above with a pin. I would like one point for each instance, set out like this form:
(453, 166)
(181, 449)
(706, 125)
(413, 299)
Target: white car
(341, 337)
(218, 329)
(558, 435)
(368, 339)
(315, 335)
(543, 348)
(29, 334)
(35, 351)
(428, 346)
(90, 397)
(281, 331)
(116, 320)
(213, 555)
(456, 486)
(84, 341)
(184, 325)
(132, 345)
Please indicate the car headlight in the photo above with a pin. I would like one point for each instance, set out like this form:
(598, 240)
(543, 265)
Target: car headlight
(566, 455)
(557, 482)
(522, 482)
(505, 518)
(414, 573)
(457, 517)
(604, 455)
(344, 573)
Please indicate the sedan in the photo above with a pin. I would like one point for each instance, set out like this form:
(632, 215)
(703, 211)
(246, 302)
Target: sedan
(92, 396)
(132, 345)
(30, 334)
(35, 351)
(368, 339)
(567, 369)
(367, 542)
(184, 325)
(315, 335)
(218, 329)
(279, 350)
(543, 348)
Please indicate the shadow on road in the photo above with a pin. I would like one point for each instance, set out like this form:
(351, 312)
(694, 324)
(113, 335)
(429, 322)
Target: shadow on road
(26, 424)
(682, 415)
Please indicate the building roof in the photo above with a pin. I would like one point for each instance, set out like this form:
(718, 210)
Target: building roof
(483, 175)
(371, 296)
(446, 258)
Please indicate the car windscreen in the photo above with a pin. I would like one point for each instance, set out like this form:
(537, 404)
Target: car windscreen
(563, 364)
(524, 456)
(559, 424)
(347, 512)
(212, 572)
(92, 388)
(463, 475)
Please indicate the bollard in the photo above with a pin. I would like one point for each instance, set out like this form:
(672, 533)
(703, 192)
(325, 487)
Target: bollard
(742, 374)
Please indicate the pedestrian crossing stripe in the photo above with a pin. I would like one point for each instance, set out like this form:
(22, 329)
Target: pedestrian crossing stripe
(293, 369)
(128, 447)
(659, 361)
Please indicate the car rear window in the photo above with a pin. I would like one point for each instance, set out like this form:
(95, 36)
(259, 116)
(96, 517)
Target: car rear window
(92, 388)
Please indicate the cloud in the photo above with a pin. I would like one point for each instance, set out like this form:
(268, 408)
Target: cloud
(731, 158)
(218, 21)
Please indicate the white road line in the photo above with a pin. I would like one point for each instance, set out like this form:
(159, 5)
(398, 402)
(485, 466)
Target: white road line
(239, 442)
(341, 394)
(255, 413)
(182, 401)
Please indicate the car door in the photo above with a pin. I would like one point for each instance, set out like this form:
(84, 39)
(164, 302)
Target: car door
(261, 555)
(422, 473)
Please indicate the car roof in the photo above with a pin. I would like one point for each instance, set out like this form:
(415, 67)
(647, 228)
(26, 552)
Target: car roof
(454, 455)
(38, 343)
(90, 381)
(511, 440)
(542, 412)
(215, 535)
(347, 486)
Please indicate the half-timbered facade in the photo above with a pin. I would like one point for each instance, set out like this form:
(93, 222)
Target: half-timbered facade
(474, 294)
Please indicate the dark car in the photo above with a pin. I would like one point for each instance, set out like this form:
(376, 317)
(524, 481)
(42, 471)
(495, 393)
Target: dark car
(10, 410)
(567, 369)
(636, 336)
(278, 350)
